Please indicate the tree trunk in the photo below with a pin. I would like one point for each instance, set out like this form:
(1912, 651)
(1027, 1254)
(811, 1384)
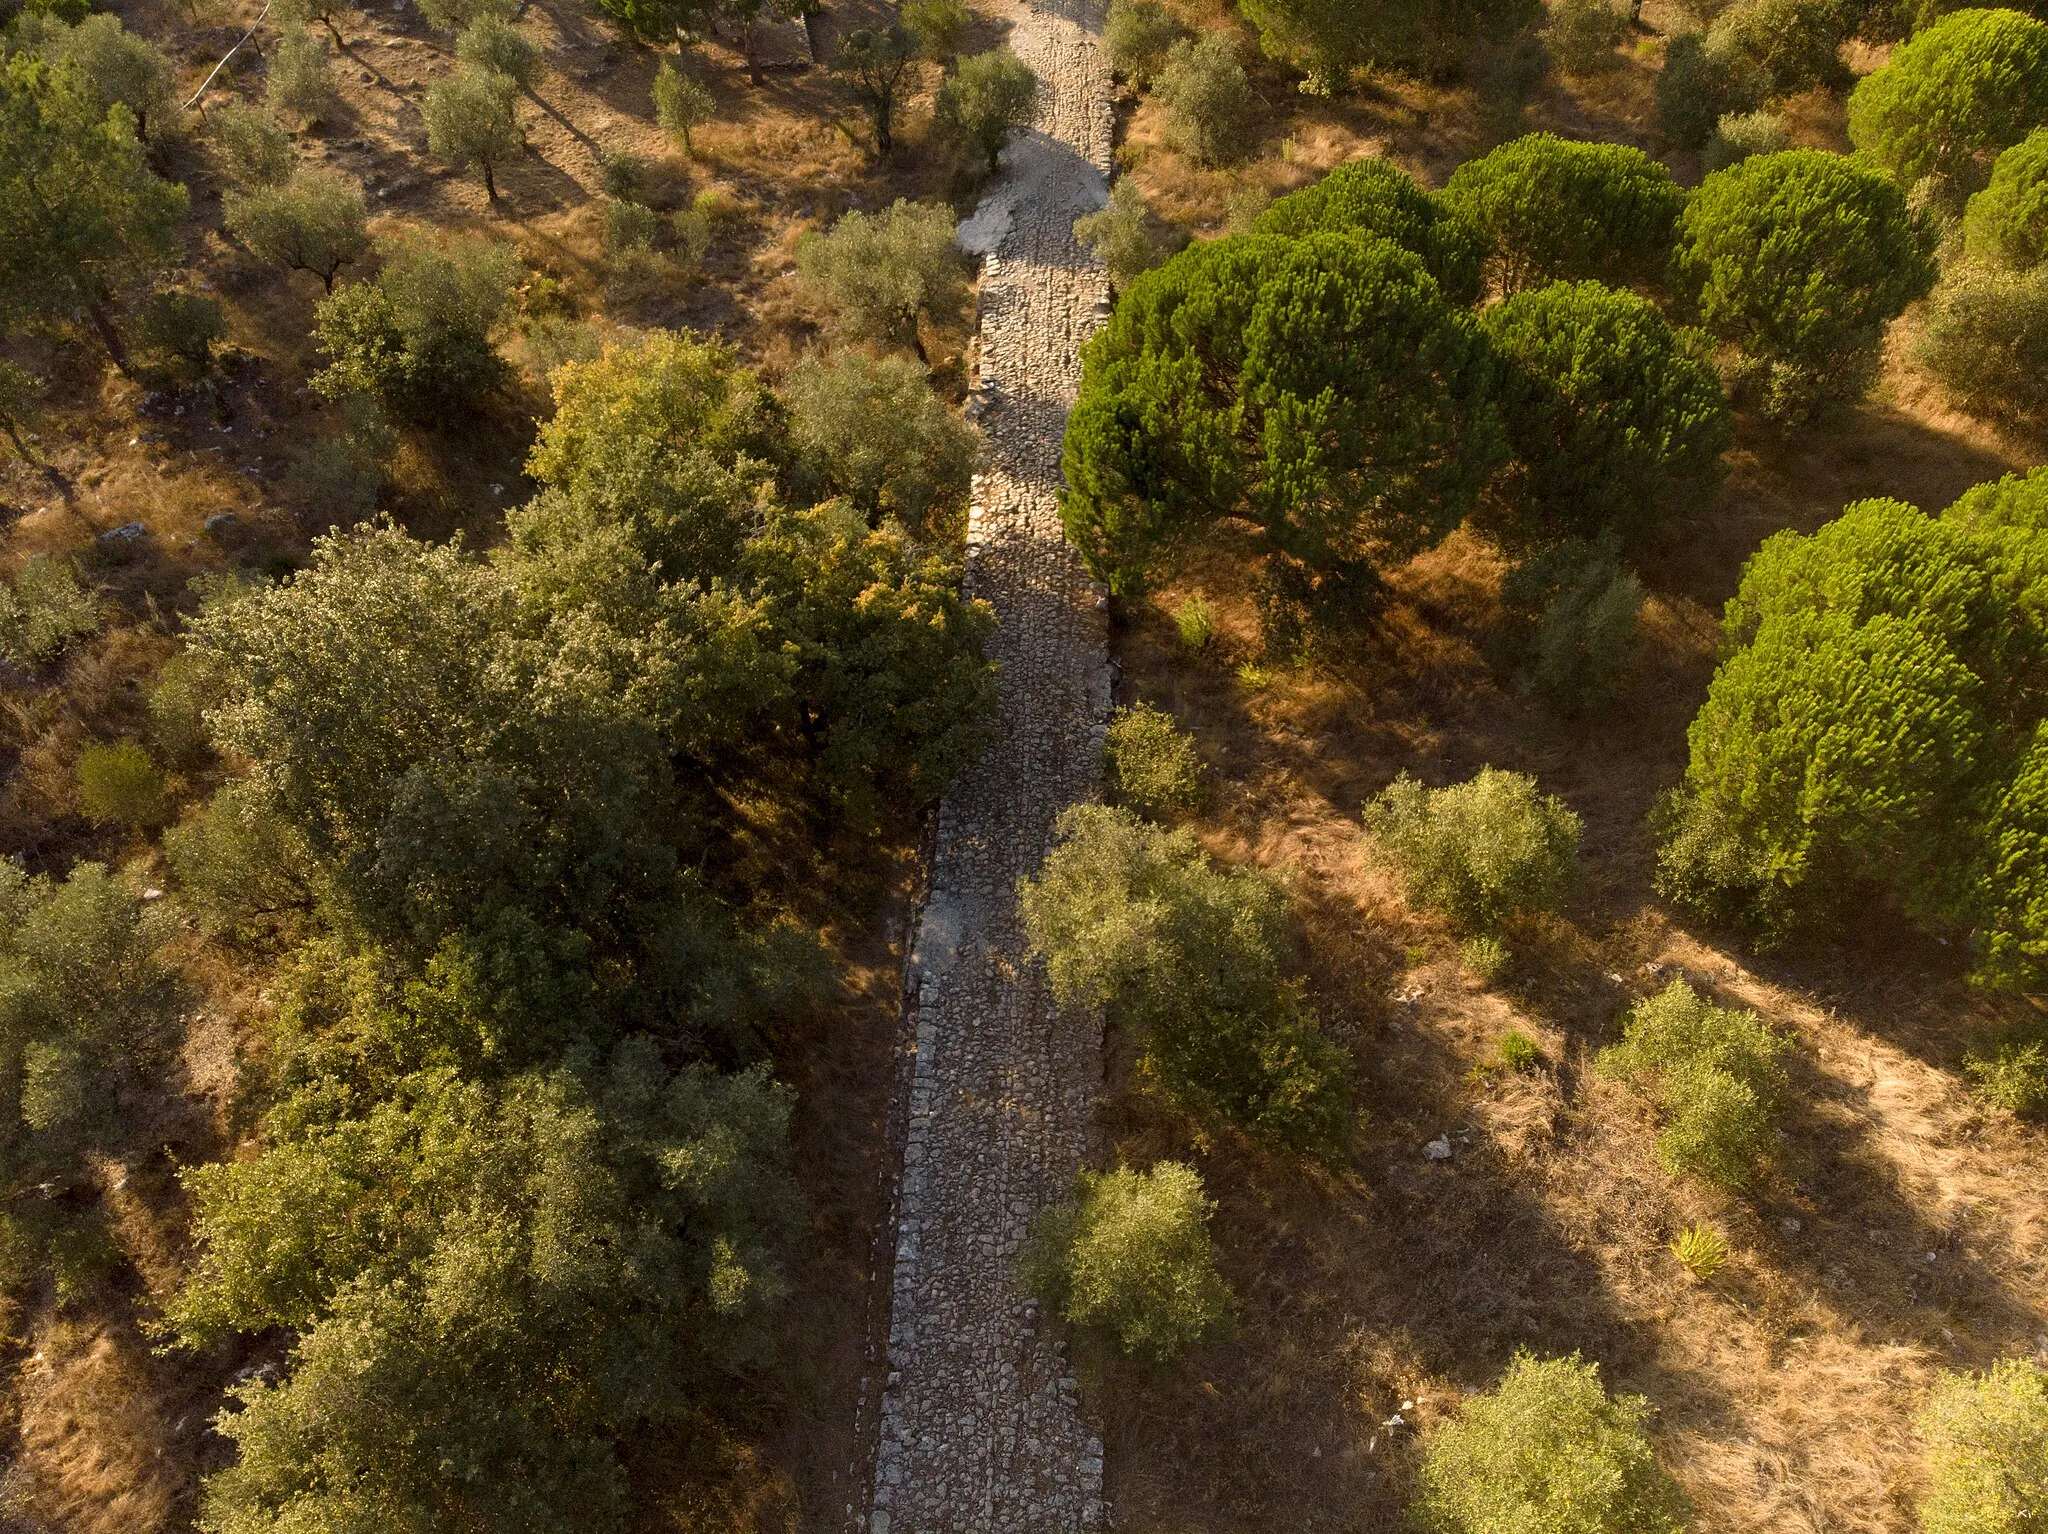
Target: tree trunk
(490, 182)
(753, 57)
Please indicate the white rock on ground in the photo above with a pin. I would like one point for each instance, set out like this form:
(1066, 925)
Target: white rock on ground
(980, 1426)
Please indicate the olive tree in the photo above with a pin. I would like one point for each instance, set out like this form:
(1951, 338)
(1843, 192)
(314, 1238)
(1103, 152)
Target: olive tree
(1482, 851)
(989, 97)
(1697, 87)
(1195, 406)
(84, 214)
(1737, 136)
(418, 337)
(1987, 1449)
(298, 77)
(1374, 196)
(1967, 86)
(1582, 35)
(493, 45)
(1790, 45)
(1124, 235)
(681, 103)
(938, 26)
(470, 120)
(873, 430)
(1985, 339)
(1571, 617)
(878, 273)
(252, 149)
(1802, 258)
(1137, 36)
(313, 223)
(2007, 223)
(116, 66)
(1205, 92)
(1193, 960)
(1610, 416)
(1547, 1448)
(1329, 39)
(874, 62)
(1549, 208)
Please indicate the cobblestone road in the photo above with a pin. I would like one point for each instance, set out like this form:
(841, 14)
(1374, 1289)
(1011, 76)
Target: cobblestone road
(980, 1429)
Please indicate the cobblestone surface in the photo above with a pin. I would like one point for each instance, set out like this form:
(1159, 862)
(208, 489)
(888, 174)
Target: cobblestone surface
(980, 1429)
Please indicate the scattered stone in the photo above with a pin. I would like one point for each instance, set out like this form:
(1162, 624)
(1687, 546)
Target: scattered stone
(127, 532)
(1438, 1149)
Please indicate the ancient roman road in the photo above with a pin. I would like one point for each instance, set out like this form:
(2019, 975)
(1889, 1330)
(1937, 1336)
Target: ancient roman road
(980, 1428)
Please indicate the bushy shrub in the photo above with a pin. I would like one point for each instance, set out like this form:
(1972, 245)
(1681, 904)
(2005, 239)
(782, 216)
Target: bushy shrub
(1150, 763)
(1547, 1449)
(681, 104)
(1970, 84)
(42, 610)
(988, 98)
(1985, 338)
(1193, 961)
(1861, 258)
(1372, 196)
(2006, 224)
(1124, 236)
(1488, 958)
(1128, 1262)
(337, 481)
(1718, 1077)
(1700, 1250)
(1137, 37)
(1582, 35)
(298, 81)
(470, 120)
(872, 429)
(1190, 404)
(1205, 92)
(315, 222)
(179, 695)
(1516, 1050)
(1739, 135)
(1790, 44)
(492, 44)
(877, 272)
(1549, 208)
(253, 151)
(236, 862)
(1987, 1450)
(456, 15)
(118, 785)
(1195, 621)
(177, 331)
(2012, 1075)
(1697, 88)
(1610, 416)
(1329, 39)
(939, 26)
(629, 227)
(1572, 613)
(417, 338)
(1480, 851)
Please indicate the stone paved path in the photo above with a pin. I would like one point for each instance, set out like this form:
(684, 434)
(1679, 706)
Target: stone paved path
(980, 1429)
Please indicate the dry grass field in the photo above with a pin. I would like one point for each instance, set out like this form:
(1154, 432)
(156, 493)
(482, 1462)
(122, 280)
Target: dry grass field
(1905, 1228)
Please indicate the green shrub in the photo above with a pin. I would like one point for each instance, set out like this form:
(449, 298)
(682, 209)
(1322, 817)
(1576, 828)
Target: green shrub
(236, 862)
(119, 785)
(681, 104)
(1739, 135)
(1985, 338)
(876, 64)
(315, 222)
(1192, 960)
(629, 226)
(1372, 196)
(873, 430)
(179, 695)
(1137, 37)
(1696, 89)
(1571, 624)
(337, 481)
(1517, 1051)
(1189, 409)
(492, 44)
(42, 610)
(417, 338)
(1987, 1451)
(1718, 1077)
(118, 67)
(2007, 223)
(1967, 86)
(456, 15)
(877, 272)
(1206, 93)
(1330, 39)
(1549, 208)
(2013, 1076)
(1548, 1450)
(989, 97)
(1609, 415)
(1700, 1250)
(178, 331)
(939, 25)
(1480, 851)
(1861, 258)
(1195, 621)
(1128, 1262)
(1791, 45)
(298, 81)
(1124, 236)
(470, 120)
(1150, 763)
(1582, 35)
